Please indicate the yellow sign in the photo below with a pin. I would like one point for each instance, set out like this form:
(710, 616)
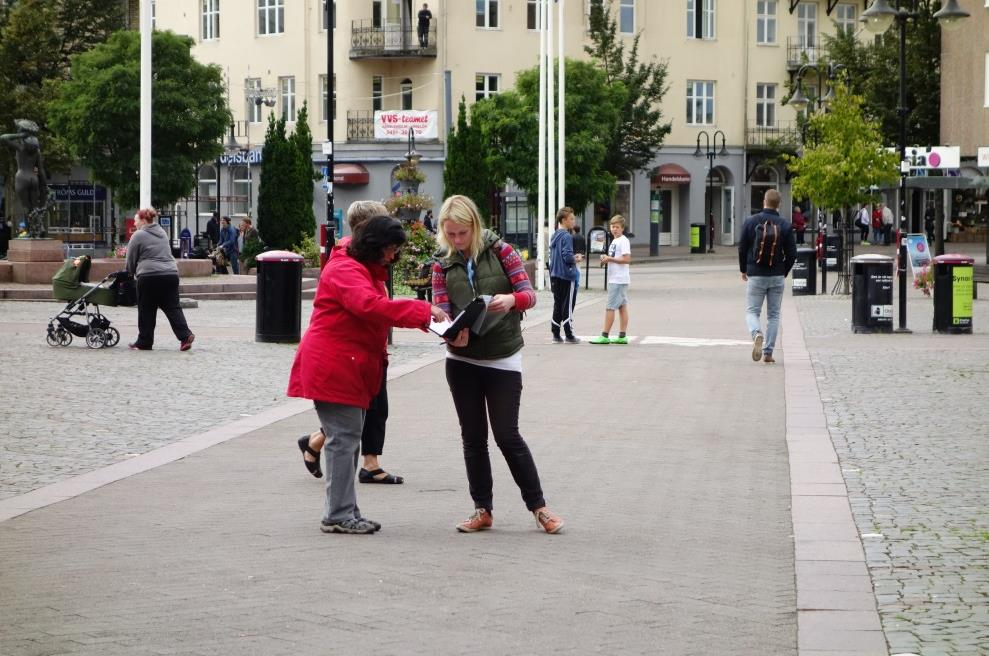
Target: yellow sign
(961, 295)
(695, 237)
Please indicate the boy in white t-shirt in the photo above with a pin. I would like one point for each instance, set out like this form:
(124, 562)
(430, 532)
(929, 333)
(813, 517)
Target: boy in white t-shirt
(618, 257)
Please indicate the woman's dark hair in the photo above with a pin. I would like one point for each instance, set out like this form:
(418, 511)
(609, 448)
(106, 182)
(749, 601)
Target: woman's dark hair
(372, 238)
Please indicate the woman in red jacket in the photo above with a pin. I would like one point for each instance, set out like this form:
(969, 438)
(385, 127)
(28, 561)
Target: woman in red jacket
(341, 357)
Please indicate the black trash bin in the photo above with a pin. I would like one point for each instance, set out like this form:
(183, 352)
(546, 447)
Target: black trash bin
(953, 293)
(278, 315)
(872, 294)
(805, 272)
(698, 237)
(834, 259)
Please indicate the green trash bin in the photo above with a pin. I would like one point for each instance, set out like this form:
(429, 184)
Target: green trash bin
(697, 238)
(953, 293)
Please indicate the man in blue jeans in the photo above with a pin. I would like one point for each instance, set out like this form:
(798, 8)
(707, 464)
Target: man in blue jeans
(766, 253)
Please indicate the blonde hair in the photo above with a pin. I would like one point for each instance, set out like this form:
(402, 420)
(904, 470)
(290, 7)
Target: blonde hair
(619, 219)
(361, 211)
(462, 211)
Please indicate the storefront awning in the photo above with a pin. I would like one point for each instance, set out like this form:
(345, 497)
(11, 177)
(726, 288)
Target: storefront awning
(350, 174)
(671, 174)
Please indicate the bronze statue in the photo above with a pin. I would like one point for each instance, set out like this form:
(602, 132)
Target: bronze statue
(30, 183)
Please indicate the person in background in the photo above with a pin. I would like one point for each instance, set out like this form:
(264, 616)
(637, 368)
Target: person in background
(376, 417)
(213, 231)
(149, 259)
(864, 221)
(427, 222)
(799, 223)
(929, 223)
(563, 268)
(340, 361)
(228, 242)
(877, 224)
(4, 237)
(887, 224)
(484, 371)
(618, 257)
(424, 17)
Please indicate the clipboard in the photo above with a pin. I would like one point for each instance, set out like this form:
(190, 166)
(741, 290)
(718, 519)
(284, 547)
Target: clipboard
(471, 317)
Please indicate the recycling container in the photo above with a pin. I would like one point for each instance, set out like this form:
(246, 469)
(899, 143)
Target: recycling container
(833, 257)
(953, 293)
(872, 294)
(698, 237)
(805, 272)
(278, 313)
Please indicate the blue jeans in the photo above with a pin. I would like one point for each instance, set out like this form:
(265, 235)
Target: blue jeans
(770, 289)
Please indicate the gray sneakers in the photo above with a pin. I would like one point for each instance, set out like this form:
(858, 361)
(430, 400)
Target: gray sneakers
(353, 525)
(757, 347)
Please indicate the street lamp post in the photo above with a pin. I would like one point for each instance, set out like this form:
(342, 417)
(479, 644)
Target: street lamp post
(329, 7)
(799, 101)
(710, 151)
(878, 18)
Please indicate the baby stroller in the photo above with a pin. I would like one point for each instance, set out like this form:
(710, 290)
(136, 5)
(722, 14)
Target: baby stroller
(70, 283)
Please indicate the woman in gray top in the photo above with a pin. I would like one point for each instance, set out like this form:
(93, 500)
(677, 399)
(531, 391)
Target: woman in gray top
(149, 258)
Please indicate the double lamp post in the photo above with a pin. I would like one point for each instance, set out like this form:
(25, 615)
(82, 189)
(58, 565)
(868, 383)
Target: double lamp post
(878, 18)
(710, 151)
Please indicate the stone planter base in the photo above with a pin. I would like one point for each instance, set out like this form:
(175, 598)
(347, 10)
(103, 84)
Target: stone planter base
(35, 250)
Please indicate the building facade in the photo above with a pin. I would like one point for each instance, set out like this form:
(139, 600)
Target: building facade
(729, 66)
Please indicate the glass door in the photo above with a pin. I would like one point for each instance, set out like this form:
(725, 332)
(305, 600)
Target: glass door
(728, 216)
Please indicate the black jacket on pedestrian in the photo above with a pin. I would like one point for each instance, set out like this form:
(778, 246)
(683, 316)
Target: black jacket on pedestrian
(213, 232)
(786, 246)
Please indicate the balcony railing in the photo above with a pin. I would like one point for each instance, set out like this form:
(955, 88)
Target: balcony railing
(368, 41)
(360, 125)
(781, 135)
(799, 52)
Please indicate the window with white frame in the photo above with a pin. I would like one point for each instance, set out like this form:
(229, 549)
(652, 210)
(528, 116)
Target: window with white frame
(532, 15)
(700, 102)
(765, 21)
(487, 13)
(626, 17)
(406, 92)
(322, 21)
(211, 20)
(206, 182)
(844, 19)
(286, 89)
(376, 92)
(252, 87)
(485, 85)
(326, 108)
(807, 24)
(765, 105)
(700, 19)
(986, 72)
(271, 16)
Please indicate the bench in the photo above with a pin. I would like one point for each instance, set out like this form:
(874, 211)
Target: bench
(979, 274)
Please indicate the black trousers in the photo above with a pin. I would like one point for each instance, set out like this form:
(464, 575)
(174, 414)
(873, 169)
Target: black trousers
(480, 393)
(159, 293)
(564, 298)
(373, 434)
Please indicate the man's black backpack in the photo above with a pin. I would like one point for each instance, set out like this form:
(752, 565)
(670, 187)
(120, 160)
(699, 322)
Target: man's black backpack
(764, 246)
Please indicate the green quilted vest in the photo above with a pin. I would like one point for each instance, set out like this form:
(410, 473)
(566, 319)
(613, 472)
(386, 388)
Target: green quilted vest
(505, 337)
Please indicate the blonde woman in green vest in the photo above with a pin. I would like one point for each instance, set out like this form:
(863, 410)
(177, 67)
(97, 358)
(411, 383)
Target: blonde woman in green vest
(485, 371)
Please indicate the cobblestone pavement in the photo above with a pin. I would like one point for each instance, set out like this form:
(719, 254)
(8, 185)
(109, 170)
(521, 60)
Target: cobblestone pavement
(111, 404)
(908, 418)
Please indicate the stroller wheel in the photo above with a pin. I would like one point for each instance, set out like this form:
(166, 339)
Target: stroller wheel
(64, 337)
(111, 337)
(52, 338)
(95, 338)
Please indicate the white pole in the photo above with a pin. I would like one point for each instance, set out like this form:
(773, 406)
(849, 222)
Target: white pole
(541, 203)
(145, 159)
(561, 145)
(550, 126)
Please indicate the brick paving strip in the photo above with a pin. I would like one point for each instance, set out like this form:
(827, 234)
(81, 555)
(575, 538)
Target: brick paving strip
(836, 607)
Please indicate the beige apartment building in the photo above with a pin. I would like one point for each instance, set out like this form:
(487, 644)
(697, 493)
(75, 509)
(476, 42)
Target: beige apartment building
(729, 63)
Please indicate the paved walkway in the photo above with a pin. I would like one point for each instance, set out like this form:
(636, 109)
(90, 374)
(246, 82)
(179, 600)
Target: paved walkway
(706, 507)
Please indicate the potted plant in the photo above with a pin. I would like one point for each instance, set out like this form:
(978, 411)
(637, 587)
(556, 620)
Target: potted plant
(408, 207)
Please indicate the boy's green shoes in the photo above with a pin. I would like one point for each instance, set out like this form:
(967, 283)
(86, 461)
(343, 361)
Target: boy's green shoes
(619, 340)
(601, 339)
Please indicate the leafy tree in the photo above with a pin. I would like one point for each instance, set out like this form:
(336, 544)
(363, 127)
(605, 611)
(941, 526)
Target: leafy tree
(97, 113)
(874, 74)
(285, 196)
(37, 39)
(641, 130)
(847, 158)
(509, 128)
(301, 141)
(466, 171)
